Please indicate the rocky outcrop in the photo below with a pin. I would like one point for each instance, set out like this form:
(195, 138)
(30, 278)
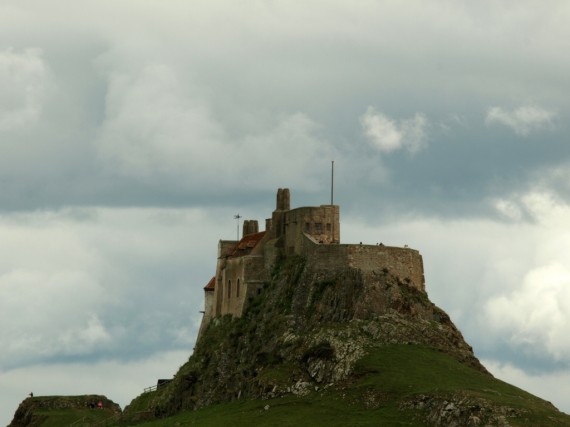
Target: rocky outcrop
(29, 411)
(461, 410)
(304, 332)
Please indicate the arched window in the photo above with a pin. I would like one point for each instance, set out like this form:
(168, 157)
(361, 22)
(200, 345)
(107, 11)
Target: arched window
(229, 288)
(237, 289)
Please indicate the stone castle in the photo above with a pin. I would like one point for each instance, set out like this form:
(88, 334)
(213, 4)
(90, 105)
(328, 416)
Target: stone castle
(244, 266)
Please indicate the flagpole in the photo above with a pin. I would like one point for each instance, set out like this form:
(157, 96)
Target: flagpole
(332, 182)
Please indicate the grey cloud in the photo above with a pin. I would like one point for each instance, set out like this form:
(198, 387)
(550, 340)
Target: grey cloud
(23, 80)
(387, 135)
(100, 286)
(142, 121)
(154, 131)
(522, 120)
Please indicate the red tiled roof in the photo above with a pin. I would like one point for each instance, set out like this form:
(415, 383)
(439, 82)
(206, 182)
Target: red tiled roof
(246, 244)
(211, 284)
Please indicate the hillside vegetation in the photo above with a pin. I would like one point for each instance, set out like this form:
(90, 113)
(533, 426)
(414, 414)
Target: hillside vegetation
(337, 348)
(393, 385)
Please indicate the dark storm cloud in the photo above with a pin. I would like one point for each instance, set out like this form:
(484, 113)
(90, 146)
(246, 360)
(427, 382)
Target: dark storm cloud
(134, 120)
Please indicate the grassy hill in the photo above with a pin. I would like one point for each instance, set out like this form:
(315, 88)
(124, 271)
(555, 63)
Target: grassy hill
(338, 347)
(58, 411)
(392, 385)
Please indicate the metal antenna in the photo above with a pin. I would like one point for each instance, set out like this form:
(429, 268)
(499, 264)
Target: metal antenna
(332, 182)
(237, 216)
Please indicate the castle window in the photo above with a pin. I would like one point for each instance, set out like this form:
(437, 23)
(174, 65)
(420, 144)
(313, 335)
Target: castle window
(329, 227)
(307, 227)
(318, 227)
(229, 288)
(237, 289)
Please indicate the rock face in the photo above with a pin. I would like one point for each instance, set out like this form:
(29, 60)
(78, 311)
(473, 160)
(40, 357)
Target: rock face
(304, 332)
(461, 411)
(27, 413)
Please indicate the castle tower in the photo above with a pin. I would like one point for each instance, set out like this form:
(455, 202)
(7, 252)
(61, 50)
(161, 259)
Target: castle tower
(283, 200)
(283, 206)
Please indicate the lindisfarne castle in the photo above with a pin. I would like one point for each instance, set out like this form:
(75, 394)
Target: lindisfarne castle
(244, 266)
(301, 329)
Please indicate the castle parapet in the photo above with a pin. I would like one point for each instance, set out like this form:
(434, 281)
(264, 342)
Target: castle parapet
(404, 263)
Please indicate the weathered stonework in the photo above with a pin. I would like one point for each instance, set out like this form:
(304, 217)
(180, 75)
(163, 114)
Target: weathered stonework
(310, 232)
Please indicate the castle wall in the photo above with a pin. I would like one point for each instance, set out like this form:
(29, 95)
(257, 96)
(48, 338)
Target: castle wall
(405, 263)
(240, 278)
(225, 247)
(271, 254)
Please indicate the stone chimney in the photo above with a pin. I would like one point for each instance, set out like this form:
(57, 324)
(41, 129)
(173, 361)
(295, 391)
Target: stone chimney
(250, 226)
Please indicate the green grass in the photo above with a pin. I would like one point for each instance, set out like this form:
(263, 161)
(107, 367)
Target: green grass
(65, 417)
(318, 410)
(403, 371)
(387, 376)
(383, 379)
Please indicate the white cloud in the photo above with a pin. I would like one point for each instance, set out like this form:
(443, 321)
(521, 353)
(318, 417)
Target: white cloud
(536, 316)
(387, 134)
(522, 120)
(509, 209)
(22, 85)
(538, 204)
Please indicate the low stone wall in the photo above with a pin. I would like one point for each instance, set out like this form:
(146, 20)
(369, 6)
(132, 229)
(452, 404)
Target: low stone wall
(404, 263)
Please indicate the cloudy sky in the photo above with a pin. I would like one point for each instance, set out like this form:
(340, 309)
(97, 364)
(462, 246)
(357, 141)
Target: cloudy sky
(132, 131)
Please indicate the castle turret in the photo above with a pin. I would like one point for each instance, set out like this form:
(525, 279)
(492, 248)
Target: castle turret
(283, 206)
(283, 200)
